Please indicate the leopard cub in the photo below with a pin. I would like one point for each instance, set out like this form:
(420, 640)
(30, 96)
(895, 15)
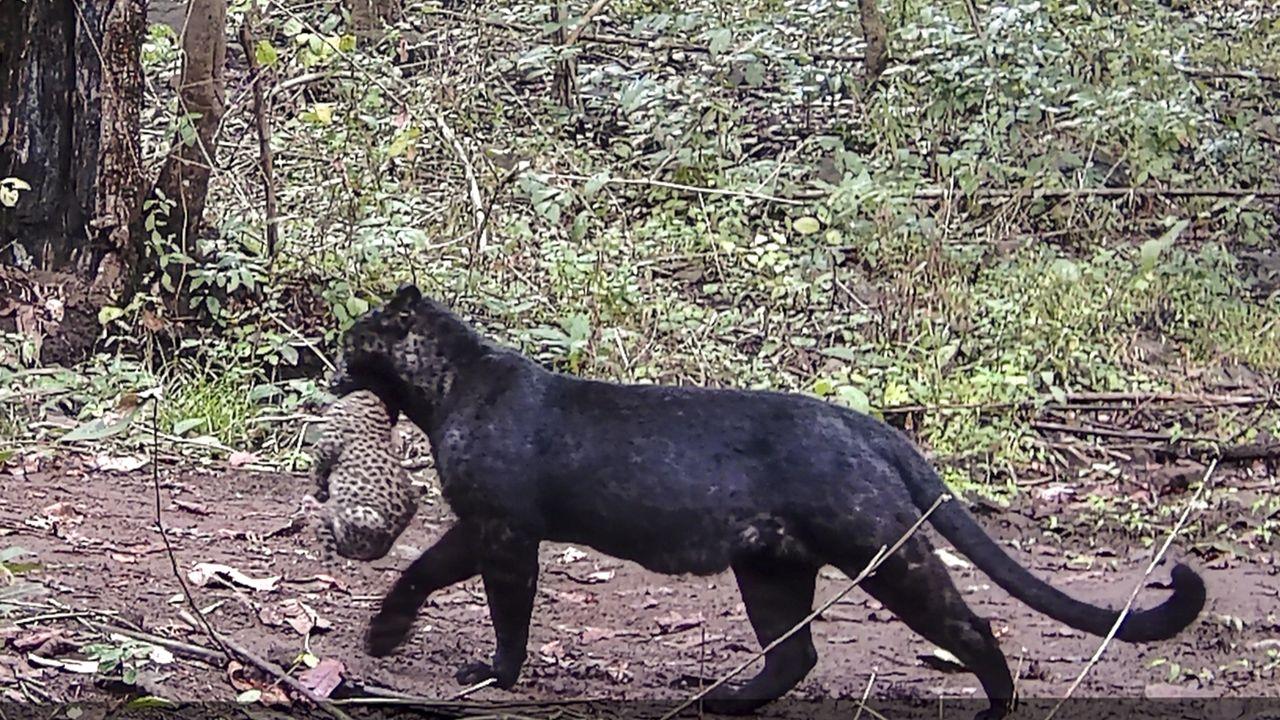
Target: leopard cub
(366, 496)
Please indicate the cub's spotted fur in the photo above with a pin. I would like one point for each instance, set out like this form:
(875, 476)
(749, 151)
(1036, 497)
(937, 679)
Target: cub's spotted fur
(367, 497)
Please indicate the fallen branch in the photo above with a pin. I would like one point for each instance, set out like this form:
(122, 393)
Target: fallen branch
(1229, 74)
(209, 655)
(806, 197)
(1217, 448)
(469, 172)
(649, 43)
(1076, 401)
(1092, 430)
(1133, 596)
(881, 555)
(939, 193)
(283, 676)
(695, 189)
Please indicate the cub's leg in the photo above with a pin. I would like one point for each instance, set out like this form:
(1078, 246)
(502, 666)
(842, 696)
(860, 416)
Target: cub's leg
(777, 595)
(914, 585)
(509, 568)
(453, 559)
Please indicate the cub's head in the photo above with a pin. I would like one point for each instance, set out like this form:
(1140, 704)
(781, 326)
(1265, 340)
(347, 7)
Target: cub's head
(360, 532)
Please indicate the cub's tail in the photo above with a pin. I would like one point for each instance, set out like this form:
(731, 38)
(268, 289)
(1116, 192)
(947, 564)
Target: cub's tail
(961, 530)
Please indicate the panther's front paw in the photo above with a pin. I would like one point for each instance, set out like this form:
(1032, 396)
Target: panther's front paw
(386, 632)
(729, 700)
(478, 672)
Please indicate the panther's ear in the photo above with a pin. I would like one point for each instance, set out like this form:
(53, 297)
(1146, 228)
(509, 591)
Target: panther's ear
(406, 296)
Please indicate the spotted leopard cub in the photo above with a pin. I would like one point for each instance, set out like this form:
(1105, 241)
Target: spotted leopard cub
(367, 498)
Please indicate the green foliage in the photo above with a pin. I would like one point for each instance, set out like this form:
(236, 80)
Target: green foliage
(924, 261)
(126, 657)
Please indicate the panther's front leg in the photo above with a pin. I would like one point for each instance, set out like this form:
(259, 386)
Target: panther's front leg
(453, 559)
(509, 569)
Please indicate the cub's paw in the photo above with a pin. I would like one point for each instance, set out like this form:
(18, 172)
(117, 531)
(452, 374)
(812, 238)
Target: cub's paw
(386, 632)
(478, 672)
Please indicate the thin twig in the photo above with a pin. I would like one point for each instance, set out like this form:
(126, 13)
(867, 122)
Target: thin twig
(228, 647)
(264, 132)
(1210, 73)
(283, 676)
(1075, 400)
(881, 555)
(585, 22)
(1133, 596)
(164, 533)
(649, 182)
(1266, 192)
(214, 657)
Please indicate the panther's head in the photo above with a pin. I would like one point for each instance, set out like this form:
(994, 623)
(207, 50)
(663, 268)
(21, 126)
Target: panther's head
(407, 351)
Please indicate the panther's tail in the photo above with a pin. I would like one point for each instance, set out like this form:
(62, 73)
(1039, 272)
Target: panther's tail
(962, 531)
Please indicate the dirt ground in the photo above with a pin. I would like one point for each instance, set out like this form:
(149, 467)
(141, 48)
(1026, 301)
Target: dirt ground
(602, 628)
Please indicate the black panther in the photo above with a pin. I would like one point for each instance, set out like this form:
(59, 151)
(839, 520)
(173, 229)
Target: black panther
(683, 480)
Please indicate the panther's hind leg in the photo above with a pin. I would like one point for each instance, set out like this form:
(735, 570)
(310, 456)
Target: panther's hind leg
(777, 595)
(914, 585)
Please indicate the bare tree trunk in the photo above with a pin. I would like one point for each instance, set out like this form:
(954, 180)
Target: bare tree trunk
(565, 83)
(368, 17)
(873, 31)
(70, 96)
(184, 178)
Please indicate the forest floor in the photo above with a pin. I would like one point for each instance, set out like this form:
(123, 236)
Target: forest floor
(602, 629)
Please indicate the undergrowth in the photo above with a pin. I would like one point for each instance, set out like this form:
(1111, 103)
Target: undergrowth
(880, 249)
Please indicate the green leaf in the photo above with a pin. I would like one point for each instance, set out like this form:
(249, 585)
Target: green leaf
(182, 427)
(1151, 250)
(107, 313)
(265, 53)
(148, 701)
(840, 352)
(404, 140)
(854, 398)
(594, 183)
(100, 429)
(718, 41)
(1065, 270)
(347, 43)
(289, 354)
(806, 225)
(357, 306)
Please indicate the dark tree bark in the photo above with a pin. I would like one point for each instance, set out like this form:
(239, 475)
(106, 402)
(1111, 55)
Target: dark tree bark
(70, 96)
(873, 31)
(369, 17)
(184, 178)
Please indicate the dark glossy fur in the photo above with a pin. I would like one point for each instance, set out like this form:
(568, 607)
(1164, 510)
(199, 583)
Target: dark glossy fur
(683, 480)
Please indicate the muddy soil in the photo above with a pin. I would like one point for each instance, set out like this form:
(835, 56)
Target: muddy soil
(602, 628)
